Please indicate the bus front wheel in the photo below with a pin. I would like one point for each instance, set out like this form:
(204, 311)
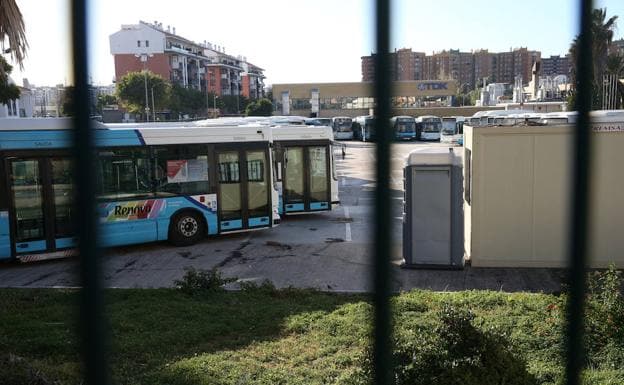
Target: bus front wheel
(186, 228)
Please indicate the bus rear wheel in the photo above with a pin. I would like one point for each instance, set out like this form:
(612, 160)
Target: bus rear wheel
(186, 228)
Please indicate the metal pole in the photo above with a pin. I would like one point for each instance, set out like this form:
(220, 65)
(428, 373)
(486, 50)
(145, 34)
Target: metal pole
(575, 350)
(153, 109)
(382, 347)
(92, 322)
(146, 98)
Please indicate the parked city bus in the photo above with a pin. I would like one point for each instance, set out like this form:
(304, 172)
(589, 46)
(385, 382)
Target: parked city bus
(304, 167)
(428, 127)
(404, 127)
(325, 121)
(364, 126)
(167, 183)
(452, 130)
(342, 126)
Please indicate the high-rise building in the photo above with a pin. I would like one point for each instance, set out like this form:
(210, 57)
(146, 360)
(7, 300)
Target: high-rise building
(467, 68)
(201, 66)
(556, 65)
(404, 65)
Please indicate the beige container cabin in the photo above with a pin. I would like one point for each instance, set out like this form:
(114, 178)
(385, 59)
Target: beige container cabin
(517, 193)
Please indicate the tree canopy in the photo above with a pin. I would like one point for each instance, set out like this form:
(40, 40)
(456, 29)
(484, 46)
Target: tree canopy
(260, 107)
(603, 62)
(8, 90)
(188, 101)
(13, 31)
(131, 91)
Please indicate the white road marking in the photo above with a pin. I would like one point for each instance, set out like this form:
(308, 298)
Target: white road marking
(347, 225)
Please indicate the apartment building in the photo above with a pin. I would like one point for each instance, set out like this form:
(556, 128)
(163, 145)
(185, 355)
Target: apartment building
(404, 65)
(201, 66)
(467, 68)
(555, 65)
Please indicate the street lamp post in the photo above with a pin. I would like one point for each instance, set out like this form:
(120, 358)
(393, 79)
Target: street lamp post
(146, 98)
(214, 104)
(143, 57)
(153, 108)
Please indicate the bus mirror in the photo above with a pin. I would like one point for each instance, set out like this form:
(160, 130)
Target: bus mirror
(279, 170)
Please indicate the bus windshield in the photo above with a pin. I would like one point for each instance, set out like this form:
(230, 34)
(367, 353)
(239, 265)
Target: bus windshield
(342, 124)
(449, 126)
(431, 126)
(405, 126)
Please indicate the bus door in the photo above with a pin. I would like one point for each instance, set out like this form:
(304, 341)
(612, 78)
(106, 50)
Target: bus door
(41, 193)
(306, 183)
(244, 195)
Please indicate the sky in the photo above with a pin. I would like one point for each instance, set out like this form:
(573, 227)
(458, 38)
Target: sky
(300, 41)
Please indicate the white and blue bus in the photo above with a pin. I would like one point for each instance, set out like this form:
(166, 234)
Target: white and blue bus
(428, 127)
(452, 130)
(404, 127)
(364, 127)
(164, 183)
(304, 169)
(343, 128)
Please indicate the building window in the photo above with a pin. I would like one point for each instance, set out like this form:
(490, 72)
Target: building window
(147, 43)
(138, 43)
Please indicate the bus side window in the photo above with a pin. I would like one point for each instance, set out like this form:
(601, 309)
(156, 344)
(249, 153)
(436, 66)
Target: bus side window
(123, 173)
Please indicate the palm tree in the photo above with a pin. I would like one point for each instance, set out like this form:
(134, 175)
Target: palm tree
(615, 67)
(602, 34)
(12, 29)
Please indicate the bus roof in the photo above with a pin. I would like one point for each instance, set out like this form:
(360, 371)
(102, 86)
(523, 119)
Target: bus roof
(302, 132)
(57, 134)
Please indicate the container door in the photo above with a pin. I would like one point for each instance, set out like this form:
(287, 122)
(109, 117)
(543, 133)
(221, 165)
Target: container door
(431, 215)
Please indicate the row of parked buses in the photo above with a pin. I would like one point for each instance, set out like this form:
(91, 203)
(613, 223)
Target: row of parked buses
(160, 181)
(363, 127)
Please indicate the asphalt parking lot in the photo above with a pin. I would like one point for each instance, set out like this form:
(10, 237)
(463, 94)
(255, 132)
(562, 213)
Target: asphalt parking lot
(326, 251)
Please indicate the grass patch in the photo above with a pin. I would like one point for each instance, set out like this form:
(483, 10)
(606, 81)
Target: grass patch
(262, 335)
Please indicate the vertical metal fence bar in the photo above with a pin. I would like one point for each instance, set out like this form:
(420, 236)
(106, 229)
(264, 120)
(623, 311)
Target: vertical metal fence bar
(91, 303)
(382, 350)
(580, 200)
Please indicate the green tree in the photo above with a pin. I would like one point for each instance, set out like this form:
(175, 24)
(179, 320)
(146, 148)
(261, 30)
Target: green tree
(104, 100)
(187, 101)
(260, 107)
(602, 33)
(131, 91)
(233, 104)
(13, 31)
(67, 102)
(8, 90)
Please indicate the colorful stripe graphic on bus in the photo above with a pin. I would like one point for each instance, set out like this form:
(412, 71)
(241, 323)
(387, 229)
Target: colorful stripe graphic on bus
(127, 211)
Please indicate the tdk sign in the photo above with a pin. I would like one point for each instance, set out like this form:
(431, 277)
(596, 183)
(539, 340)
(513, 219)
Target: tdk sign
(432, 86)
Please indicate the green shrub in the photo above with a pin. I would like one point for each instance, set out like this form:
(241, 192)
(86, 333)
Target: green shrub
(604, 320)
(202, 281)
(455, 353)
